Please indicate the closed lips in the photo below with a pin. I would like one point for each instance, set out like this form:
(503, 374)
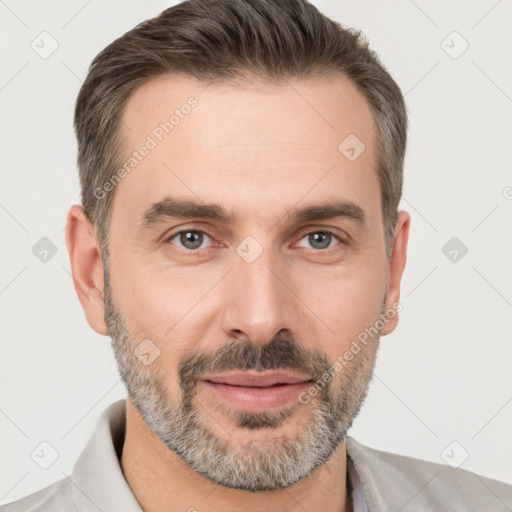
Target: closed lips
(261, 380)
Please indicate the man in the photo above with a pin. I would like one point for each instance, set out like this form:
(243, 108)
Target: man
(239, 240)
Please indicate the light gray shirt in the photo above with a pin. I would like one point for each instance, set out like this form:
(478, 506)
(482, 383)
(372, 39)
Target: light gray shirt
(381, 482)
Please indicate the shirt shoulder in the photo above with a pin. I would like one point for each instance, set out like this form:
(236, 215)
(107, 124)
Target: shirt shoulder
(56, 497)
(397, 482)
(97, 481)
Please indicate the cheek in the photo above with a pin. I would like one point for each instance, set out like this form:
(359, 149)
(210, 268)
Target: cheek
(346, 305)
(168, 306)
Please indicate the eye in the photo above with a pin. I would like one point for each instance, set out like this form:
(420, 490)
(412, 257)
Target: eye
(321, 239)
(195, 239)
(190, 239)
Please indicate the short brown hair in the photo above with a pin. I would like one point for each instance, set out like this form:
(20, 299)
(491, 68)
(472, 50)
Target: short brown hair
(223, 40)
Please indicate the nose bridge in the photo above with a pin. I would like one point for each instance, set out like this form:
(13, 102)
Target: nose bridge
(258, 305)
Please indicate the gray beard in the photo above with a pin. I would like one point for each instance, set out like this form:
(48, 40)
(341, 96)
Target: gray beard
(275, 462)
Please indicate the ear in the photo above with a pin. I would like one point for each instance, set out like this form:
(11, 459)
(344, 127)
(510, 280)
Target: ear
(86, 267)
(396, 268)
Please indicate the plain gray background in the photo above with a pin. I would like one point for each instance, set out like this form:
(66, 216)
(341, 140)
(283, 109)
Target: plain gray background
(442, 387)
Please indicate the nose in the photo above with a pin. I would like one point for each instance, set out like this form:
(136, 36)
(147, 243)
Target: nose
(258, 301)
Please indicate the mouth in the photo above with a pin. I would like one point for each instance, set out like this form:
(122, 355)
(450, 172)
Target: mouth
(257, 391)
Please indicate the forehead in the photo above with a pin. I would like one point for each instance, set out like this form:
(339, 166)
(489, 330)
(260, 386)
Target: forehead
(316, 108)
(228, 141)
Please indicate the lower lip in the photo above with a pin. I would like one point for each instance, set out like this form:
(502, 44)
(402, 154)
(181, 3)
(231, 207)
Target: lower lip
(258, 399)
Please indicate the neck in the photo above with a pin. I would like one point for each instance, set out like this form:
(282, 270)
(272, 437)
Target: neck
(162, 481)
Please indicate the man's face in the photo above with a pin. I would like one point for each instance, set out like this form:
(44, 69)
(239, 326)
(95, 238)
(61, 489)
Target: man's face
(263, 289)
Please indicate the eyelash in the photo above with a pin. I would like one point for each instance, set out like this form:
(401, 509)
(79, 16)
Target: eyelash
(198, 230)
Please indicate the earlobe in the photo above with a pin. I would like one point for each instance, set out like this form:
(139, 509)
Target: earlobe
(396, 268)
(86, 267)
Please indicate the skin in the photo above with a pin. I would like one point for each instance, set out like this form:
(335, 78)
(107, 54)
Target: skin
(258, 150)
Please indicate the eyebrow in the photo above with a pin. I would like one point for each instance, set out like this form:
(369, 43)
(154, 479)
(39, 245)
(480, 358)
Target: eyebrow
(172, 208)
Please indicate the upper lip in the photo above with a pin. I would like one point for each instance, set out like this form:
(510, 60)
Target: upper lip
(256, 379)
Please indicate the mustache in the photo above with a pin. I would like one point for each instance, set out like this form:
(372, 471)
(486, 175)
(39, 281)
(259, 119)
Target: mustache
(281, 353)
